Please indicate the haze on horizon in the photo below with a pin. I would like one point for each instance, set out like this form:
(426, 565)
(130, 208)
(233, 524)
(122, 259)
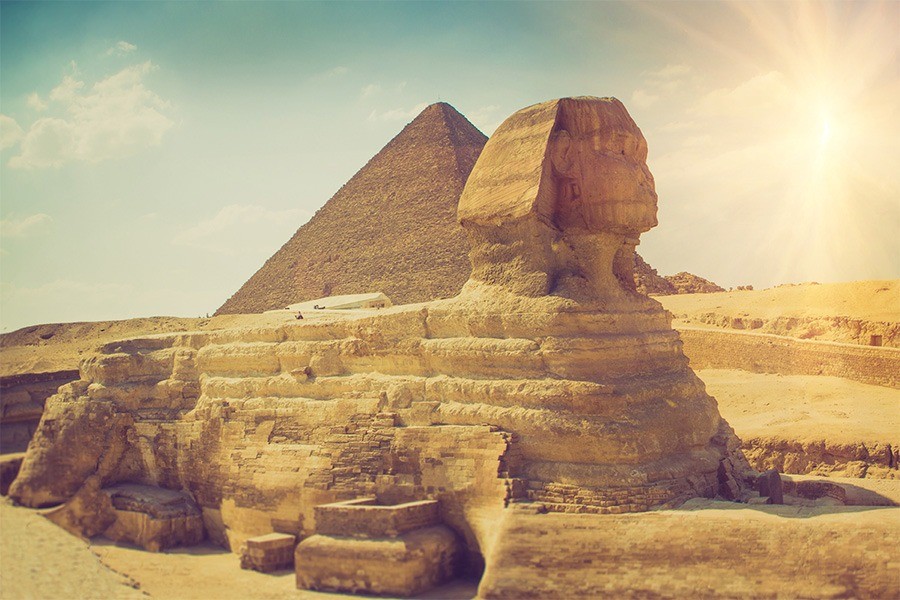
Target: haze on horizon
(154, 155)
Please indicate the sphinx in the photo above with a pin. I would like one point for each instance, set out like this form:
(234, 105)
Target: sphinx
(548, 380)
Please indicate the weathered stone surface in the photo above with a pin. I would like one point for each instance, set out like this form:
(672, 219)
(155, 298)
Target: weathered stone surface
(150, 517)
(153, 518)
(718, 550)
(268, 553)
(549, 378)
(9, 469)
(366, 518)
(22, 399)
(356, 538)
(768, 484)
(648, 281)
(764, 353)
(688, 283)
(418, 560)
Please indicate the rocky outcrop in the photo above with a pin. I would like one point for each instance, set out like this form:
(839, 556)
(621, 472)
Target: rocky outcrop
(688, 283)
(823, 457)
(648, 281)
(22, 399)
(856, 312)
(724, 553)
(549, 379)
(843, 329)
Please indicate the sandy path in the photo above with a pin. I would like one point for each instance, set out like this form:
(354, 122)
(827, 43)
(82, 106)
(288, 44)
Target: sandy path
(41, 561)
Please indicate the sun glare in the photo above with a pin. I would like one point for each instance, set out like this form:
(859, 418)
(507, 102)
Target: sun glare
(824, 132)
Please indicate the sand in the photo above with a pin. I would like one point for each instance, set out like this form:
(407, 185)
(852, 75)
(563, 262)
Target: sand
(870, 300)
(861, 312)
(40, 560)
(804, 408)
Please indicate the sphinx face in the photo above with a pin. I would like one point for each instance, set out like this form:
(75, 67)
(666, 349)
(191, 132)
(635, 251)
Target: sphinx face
(617, 190)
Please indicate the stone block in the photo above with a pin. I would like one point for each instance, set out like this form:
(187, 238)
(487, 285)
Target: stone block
(769, 484)
(153, 518)
(405, 565)
(364, 517)
(268, 553)
(9, 468)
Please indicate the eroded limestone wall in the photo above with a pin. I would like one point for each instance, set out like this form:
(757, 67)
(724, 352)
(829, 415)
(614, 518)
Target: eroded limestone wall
(22, 399)
(476, 410)
(762, 353)
(728, 552)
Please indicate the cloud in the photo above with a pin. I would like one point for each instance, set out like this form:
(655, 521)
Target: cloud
(10, 132)
(17, 228)
(121, 48)
(755, 95)
(49, 143)
(643, 99)
(370, 90)
(668, 72)
(35, 102)
(67, 90)
(397, 114)
(485, 118)
(243, 229)
(675, 126)
(659, 83)
(483, 113)
(116, 116)
(338, 71)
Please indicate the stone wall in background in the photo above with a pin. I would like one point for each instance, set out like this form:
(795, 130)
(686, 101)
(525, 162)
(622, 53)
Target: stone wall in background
(762, 353)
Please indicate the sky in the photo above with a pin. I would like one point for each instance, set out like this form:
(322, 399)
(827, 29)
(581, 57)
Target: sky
(155, 154)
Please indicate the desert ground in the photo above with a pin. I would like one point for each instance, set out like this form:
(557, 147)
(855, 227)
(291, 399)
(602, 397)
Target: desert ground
(790, 422)
(41, 561)
(840, 312)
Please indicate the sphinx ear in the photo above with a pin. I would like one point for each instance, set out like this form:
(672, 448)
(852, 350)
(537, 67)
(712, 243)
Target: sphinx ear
(561, 153)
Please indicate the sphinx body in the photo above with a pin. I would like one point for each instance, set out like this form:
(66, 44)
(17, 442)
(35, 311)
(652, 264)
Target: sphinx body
(547, 380)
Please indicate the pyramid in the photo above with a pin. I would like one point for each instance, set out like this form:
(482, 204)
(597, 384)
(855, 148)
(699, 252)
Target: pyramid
(392, 228)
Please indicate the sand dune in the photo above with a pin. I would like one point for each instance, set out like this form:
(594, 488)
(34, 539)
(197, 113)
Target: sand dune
(842, 312)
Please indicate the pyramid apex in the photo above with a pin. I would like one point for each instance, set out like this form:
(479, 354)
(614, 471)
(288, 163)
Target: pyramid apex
(442, 108)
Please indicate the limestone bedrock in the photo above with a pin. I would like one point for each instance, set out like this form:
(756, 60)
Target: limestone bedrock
(549, 378)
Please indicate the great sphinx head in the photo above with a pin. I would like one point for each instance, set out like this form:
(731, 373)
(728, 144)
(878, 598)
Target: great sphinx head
(558, 199)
